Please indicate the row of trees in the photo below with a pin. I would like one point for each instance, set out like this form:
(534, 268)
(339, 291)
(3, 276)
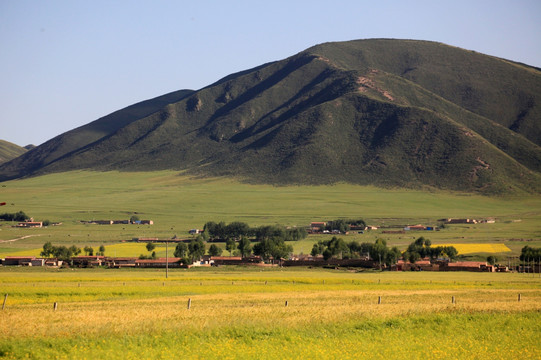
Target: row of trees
(343, 225)
(378, 251)
(337, 247)
(18, 216)
(530, 254)
(422, 248)
(66, 253)
(236, 230)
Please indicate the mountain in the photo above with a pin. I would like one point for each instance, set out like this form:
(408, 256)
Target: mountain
(9, 151)
(394, 113)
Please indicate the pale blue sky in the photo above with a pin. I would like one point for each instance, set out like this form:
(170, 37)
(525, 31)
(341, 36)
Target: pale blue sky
(66, 63)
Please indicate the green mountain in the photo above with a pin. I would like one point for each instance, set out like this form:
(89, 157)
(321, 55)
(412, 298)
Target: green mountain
(9, 151)
(394, 113)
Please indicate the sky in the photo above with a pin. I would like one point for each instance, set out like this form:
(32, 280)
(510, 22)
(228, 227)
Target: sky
(65, 63)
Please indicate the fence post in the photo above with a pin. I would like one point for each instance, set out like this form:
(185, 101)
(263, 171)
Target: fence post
(189, 303)
(379, 300)
(453, 300)
(519, 297)
(4, 304)
(55, 306)
(286, 303)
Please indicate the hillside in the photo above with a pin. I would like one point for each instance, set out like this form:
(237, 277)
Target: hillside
(9, 151)
(394, 113)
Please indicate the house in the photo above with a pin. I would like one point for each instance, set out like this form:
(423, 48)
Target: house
(116, 222)
(53, 262)
(415, 227)
(158, 263)
(87, 260)
(476, 266)
(420, 265)
(103, 222)
(37, 262)
(18, 260)
(147, 222)
(317, 226)
(30, 224)
(119, 262)
(195, 231)
(460, 221)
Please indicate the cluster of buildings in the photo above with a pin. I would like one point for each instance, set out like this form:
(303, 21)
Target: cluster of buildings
(119, 222)
(130, 262)
(207, 260)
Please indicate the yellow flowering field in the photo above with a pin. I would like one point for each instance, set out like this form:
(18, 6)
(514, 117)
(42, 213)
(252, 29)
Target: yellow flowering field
(243, 313)
(479, 248)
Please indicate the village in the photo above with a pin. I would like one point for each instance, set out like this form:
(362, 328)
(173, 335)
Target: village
(361, 262)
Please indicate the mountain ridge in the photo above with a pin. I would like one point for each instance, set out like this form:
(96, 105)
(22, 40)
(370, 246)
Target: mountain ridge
(381, 111)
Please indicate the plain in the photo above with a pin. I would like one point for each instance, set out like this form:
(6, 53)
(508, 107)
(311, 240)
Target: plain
(177, 203)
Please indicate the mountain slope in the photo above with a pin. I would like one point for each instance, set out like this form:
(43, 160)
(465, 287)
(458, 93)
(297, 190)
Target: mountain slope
(384, 112)
(67, 143)
(9, 151)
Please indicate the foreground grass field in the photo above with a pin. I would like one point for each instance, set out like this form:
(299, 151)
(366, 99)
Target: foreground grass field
(177, 203)
(242, 313)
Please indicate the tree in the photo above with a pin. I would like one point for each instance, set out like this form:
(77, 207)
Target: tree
(340, 225)
(88, 251)
(413, 257)
(180, 250)
(215, 250)
(134, 219)
(338, 247)
(327, 254)
(230, 245)
(236, 230)
(101, 250)
(245, 246)
(150, 246)
(451, 252)
(296, 234)
(75, 250)
(272, 247)
(492, 260)
(392, 256)
(196, 248)
(210, 228)
(47, 249)
(318, 249)
(379, 250)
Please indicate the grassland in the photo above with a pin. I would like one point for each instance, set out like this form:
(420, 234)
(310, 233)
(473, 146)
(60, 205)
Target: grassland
(177, 203)
(241, 313)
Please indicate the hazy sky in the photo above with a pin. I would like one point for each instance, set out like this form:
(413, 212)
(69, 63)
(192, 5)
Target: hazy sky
(66, 63)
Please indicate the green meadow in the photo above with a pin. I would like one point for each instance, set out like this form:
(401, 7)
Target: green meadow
(177, 203)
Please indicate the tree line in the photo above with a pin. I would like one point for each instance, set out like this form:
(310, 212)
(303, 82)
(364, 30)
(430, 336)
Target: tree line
(66, 253)
(379, 251)
(18, 216)
(236, 230)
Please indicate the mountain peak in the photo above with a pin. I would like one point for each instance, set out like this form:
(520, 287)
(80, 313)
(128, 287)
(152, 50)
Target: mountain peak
(382, 111)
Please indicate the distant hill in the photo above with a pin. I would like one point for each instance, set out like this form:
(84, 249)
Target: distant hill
(393, 113)
(9, 151)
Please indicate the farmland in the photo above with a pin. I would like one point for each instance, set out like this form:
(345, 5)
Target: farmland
(177, 203)
(242, 313)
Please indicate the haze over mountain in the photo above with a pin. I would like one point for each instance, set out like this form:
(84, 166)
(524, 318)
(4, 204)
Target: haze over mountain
(384, 112)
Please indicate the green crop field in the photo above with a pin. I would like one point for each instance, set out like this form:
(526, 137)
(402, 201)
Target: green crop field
(267, 314)
(177, 203)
